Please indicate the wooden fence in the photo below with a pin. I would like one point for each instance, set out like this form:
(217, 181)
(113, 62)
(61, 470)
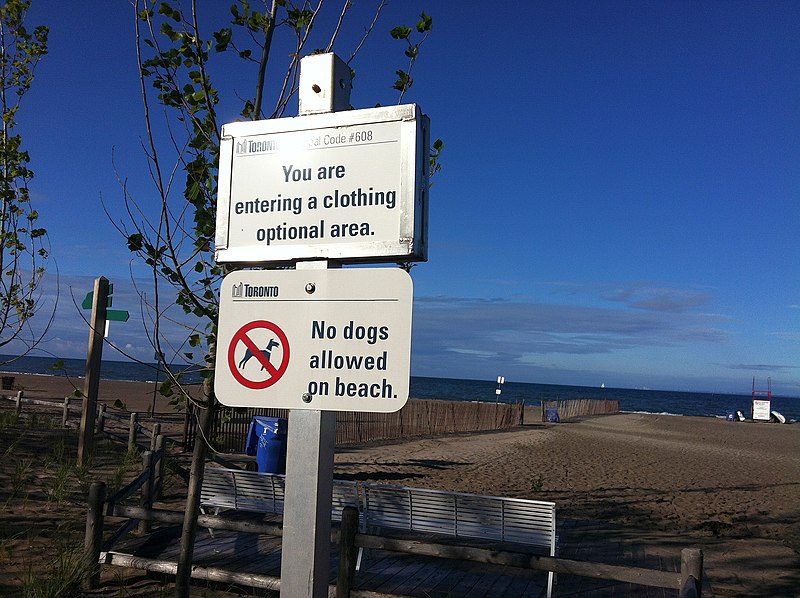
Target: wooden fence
(688, 582)
(72, 408)
(148, 485)
(416, 418)
(580, 408)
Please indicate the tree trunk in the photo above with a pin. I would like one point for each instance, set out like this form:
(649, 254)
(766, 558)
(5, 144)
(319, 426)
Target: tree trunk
(184, 572)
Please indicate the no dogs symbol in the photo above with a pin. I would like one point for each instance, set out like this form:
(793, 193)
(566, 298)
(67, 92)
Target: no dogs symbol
(258, 355)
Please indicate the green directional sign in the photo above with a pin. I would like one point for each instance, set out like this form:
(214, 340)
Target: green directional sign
(87, 301)
(115, 315)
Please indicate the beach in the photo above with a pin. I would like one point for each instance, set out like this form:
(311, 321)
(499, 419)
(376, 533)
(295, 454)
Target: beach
(670, 482)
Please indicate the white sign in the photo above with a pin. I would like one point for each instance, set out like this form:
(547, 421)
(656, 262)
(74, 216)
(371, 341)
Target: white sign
(330, 340)
(349, 186)
(761, 409)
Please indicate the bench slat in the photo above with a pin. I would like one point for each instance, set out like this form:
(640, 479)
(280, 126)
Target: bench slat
(262, 492)
(461, 515)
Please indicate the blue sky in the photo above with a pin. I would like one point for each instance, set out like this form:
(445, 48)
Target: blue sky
(619, 199)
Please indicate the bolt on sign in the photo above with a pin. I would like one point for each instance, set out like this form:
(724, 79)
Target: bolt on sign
(348, 186)
(330, 340)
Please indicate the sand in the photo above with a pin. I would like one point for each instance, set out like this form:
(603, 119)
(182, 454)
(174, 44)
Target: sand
(670, 482)
(732, 489)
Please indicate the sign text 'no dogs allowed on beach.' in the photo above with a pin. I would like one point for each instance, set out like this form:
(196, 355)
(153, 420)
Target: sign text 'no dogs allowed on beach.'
(330, 340)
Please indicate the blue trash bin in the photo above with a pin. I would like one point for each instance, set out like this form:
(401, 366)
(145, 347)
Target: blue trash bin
(551, 415)
(266, 440)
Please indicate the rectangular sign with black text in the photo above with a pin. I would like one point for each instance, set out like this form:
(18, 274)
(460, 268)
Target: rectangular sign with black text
(331, 340)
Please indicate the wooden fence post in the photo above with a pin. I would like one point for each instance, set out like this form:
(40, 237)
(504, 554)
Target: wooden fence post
(65, 413)
(146, 499)
(159, 475)
(347, 557)
(94, 534)
(691, 572)
(19, 402)
(91, 383)
(154, 435)
(132, 432)
(101, 419)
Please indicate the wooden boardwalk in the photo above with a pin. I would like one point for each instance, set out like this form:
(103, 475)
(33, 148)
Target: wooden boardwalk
(598, 541)
(390, 573)
(427, 577)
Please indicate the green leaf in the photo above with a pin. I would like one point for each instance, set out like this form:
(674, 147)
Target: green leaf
(135, 242)
(165, 390)
(222, 39)
(404, 81)
(425, 23)
(400, 32)
(167, 10)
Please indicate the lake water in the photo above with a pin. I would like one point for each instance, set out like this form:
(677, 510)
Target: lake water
(636, 400)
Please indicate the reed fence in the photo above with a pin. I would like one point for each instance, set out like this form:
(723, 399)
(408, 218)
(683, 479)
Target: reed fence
(416, 418)
(580, 408)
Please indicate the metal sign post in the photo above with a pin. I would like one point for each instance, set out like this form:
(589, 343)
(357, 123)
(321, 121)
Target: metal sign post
(305, 551)
(331, 184)
(306, 544)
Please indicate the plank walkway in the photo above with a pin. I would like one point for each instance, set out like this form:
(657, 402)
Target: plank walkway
(600, 542)
(428, 577)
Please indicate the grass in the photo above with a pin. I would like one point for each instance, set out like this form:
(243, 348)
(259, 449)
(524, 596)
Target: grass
(67, 476)
(8, 419)
(131, 462)
(43, 506)
(62, 577)
(19, 478)
(32, 421)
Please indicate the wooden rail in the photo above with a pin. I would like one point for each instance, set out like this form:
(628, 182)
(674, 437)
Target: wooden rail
(66, 407)
(148, 484)
(688, 581)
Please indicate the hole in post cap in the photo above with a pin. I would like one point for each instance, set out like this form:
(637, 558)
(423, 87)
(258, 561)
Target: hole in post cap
(316, 88)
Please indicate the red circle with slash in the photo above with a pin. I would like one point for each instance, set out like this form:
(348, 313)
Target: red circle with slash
(244, 336)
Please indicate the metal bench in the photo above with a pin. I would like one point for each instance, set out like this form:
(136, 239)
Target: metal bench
(520, 521)
(456, 514)
(262, 492)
